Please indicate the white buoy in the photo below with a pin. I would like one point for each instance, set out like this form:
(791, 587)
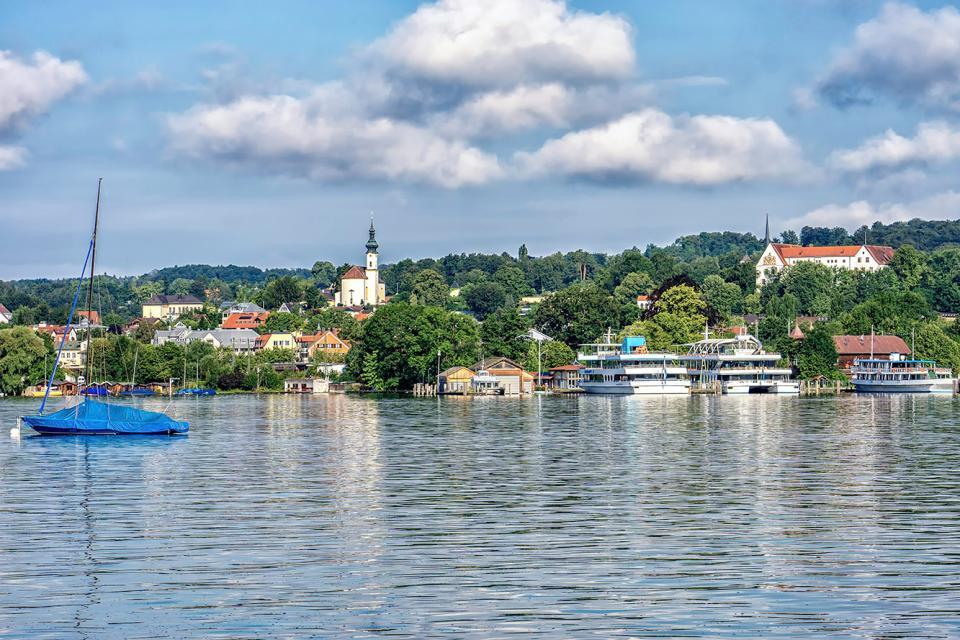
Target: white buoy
(15, 432)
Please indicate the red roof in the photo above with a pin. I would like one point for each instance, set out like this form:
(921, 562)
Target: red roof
(568, 367)
(860, 345)
(245, 320)
(354, 273)
(92, 316)
(881, 254)
(3, 309)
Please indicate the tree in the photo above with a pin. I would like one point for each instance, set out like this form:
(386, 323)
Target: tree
(679, 314)
(578, 314)
(513, 280)
(811, 283)
(633, 284)
(22, 356)
(179, 287)
(282, 323)
(430, 289)
(500, 334)
(370, 375)
(723, 297)
(553, 353)
(657, 337)
(910, 266)
(789, 237)
(324, 273)
(331, 318)
(484, 298)
(932, 343)
(817, 355)
(279, 291)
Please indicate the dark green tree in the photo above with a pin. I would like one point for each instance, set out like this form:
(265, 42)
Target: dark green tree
(578, 314)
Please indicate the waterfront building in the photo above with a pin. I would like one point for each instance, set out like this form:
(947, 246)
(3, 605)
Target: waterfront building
(508, 375)
(566, 377)
(456, 380)
(239, 341)
(170, 307)
(630, 368)
(6, 317)
(306, 385)
(738, 365)
(361, 286)
(245, 320)
(870, 347)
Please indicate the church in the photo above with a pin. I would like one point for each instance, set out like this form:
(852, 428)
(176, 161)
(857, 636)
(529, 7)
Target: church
(361, 286)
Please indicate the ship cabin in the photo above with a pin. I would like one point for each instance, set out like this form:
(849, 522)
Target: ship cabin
(738, 365)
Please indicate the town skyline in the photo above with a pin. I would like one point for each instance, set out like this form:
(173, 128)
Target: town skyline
(620, 125)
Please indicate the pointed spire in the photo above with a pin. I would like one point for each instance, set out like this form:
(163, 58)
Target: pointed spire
(372, 244)
(766, 235)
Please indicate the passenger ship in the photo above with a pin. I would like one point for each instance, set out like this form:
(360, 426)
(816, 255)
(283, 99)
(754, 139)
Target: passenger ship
(739, 365)
(899, 375)
(629, 368)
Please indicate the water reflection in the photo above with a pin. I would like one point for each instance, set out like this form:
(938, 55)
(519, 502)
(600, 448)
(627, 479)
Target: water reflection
(357, 516)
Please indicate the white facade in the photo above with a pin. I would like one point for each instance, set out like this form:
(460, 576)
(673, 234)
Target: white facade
(361, 286)
(776, 257)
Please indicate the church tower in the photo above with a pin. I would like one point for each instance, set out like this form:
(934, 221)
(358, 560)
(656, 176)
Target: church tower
(372, 288)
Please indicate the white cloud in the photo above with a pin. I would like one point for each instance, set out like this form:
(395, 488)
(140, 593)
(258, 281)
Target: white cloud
(499, 43)
(12, 157)
(903, 53)
(935, 142)
(29, 87)
(302, 136)
(652, 145)
(942, 206)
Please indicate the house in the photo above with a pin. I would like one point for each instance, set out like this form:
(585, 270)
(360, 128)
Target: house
(170, 307)
(509, 374)
(644, 302)
(528, 303)
(245, 320)
(88, 317)
(56, 332)
(456, 380)
(850, 348)
(306, 385)
(6, 317)
(567, 376)
(276, 341)
(134, 325)
(229, 308)
(74, 354)
(324, 343)
(777, 257)
(361, 285)
(239, 341)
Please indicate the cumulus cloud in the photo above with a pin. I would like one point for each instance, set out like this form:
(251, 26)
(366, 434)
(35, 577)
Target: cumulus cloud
(942, 206)
(650, 145)
(28, 87)
(935, 142)
(12, 157)
(499, 43)
(904, 53)
(300, 136)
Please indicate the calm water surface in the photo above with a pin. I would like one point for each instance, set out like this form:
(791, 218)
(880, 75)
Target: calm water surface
(558, 517)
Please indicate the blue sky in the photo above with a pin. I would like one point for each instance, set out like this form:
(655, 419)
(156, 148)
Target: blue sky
(265, 133)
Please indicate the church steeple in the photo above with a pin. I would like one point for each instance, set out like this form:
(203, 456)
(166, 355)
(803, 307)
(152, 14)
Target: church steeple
(372, 244)
(766, 235)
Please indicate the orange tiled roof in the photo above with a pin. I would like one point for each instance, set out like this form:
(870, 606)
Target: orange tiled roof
(354, 273)
(880, 253)
(245, 320)
(860, 345)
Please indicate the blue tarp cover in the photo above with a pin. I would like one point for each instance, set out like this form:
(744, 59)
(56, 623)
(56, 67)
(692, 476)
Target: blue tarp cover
(93, 417)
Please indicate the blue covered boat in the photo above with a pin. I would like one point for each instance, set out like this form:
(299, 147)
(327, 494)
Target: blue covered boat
(196, 391)
(92, 417)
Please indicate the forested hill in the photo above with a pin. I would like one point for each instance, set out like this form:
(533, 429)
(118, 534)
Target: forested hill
(926, 235)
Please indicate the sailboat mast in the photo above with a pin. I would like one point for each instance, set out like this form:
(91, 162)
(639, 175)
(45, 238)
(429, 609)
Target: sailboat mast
(93, 266)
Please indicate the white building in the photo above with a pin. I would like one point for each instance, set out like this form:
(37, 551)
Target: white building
(778, 256)
(361, 285)
(5, 316)
(239, 341)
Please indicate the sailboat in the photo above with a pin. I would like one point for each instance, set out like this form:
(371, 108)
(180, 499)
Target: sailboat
(95, 417)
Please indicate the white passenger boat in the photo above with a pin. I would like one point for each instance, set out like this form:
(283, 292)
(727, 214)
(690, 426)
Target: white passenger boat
(900, 375)
(740, 366)
(629, 368)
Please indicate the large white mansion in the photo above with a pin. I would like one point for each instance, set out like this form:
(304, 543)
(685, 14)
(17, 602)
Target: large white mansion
(361, 286)
(865, 257)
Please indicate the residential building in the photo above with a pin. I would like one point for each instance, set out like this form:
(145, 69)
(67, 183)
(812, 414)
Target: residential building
(240, 341)
(6, 317)
(456, 380)
(74, 354)
(361, 285)
(170, 307)
(56, 331)
(245, 320)
(229, 308)
(850, 348)
(567, 376)
(134, 325)
(644, 302)
(88, 317)
(323, 343)
(277, 341)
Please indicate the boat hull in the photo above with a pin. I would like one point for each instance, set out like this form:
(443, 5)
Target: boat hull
(94, 418)
(44, 428)
(774, 388)
(912, 386)
(668, 388)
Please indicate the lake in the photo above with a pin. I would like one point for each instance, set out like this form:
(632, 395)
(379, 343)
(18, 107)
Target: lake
(355, 516)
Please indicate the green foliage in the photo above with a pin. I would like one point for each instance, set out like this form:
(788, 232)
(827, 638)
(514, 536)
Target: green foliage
(723, 297)
(282, 323)
(893, 312)
(370, 374)
(22, 356)
(484, 298)
(500, 334)
(331, 318)
(513, 281)
(633, 284)
(324, 273)
(279, 291)
(430, 289)
(910, 266)
(578, 314)
(403, 340)
(811, 284)
(932, 343)
(817, 355)
(553, 353)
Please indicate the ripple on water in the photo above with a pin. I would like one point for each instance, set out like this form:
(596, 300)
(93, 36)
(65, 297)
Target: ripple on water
(559, 517)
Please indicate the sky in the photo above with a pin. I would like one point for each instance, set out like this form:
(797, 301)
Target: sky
(266, 134)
